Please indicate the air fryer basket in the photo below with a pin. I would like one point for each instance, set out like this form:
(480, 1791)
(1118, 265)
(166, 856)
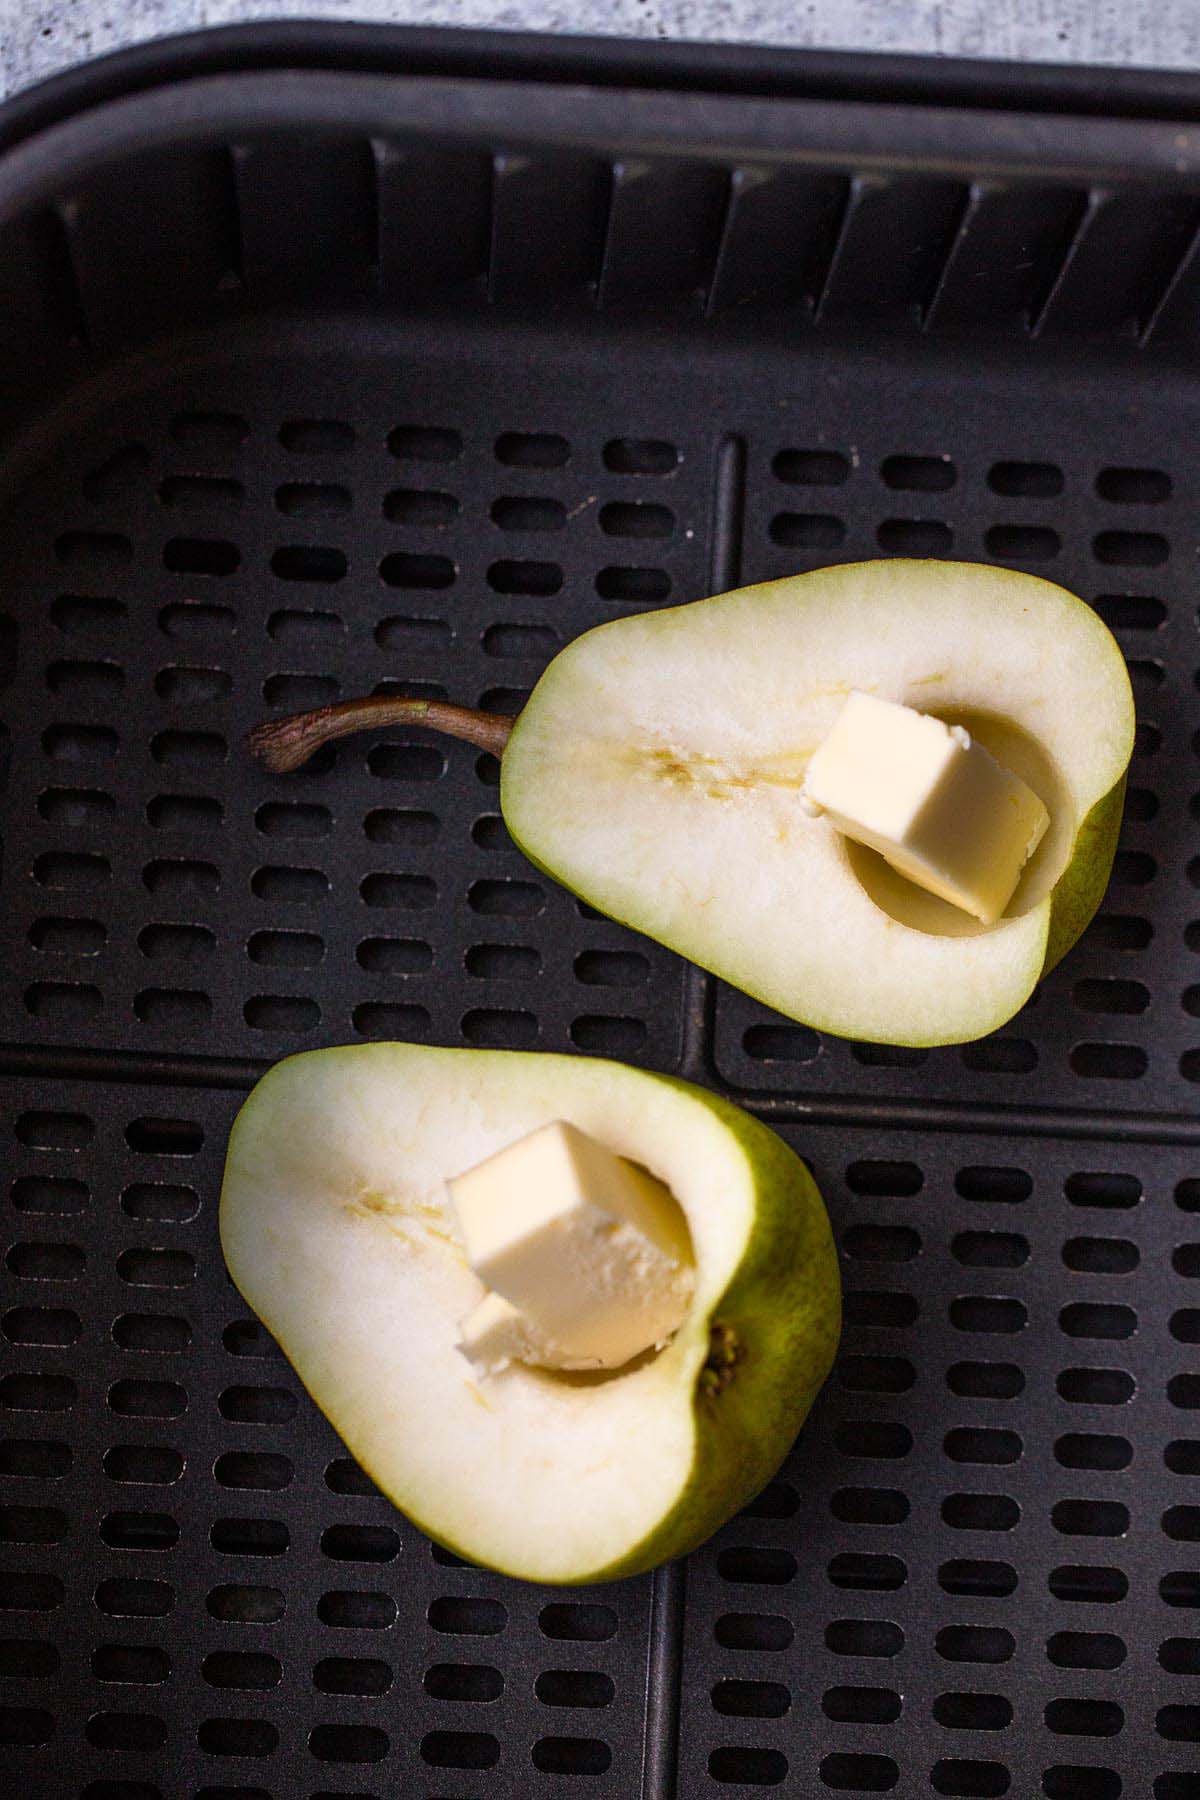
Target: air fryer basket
(404, 367)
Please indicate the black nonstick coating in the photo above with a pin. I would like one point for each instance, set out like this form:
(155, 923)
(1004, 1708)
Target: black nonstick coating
(405, 367)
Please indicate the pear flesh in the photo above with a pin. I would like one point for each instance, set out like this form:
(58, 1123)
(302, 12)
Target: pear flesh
(338, 1229)
(658, 767)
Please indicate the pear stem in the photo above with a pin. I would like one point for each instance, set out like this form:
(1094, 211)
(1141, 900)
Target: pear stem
(286, 744)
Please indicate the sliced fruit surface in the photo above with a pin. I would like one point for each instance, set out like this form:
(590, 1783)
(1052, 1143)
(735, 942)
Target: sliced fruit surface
(657, 771)
(337, 1228)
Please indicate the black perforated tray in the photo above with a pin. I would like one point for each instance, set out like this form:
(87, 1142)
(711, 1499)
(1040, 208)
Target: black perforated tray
(364, 358)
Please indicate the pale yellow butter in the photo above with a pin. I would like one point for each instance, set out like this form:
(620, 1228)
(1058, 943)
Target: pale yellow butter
(934, 803)
(590, 1249)
(497, 1333)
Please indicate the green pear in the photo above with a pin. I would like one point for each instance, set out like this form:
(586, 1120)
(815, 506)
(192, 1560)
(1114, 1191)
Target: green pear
(657, 771)
(338, 1229)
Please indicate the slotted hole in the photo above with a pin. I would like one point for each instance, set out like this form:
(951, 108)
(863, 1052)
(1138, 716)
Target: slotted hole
(88, 683)
(416, 570)
(28, 1592)
(1131, 549)
(128, 1732)
(286, 949)
(1101, 1256)
(139, 1530)
(211, 433)
(355, 1610)
(281, 1012)
(981, 1512)
(201, 556)
(1022, 543)
(1181, 1524)
(807, 531)
(919, 474)
(639, 586)
(28, 1659)
(1026, 480)
(990, 1249)
(1085, 1650)
(344, 1476)
(1001, 1056)
(576, 1621)
(236, 1603)
(189, 749)
(915, 537)
(237, 1737)
(608, 1036)
(85, 744)
(1096, 1387)
(988, 1313)
(1090, 1518)
(532, 450)
(969, 1776)
(811, 468)
(881, 1243)
(167, 1202)
(86, 612)
(152, 1334)
(859, 1773)
(248, 1405)
(289, 886)
(522, 512)
(575, 1687)
(313, 499)
(878, 1309)
(976, 1578)
(1088, 1584)
(253, 1469)
(49, 1194)
(135, 1597)
(35, 1459)
(360, 1543)
(317, 437)
(1109, 1062)
(975, 1643)
(1079, 1717)
(462, 1750)
(309, 562)
(147, 1465)
(876, 1374)
(1108, 1190)
(766, 1632)
(242, 1669)
(973, 1712)
(879, 1179)
(1130, 612)
(864, 1637)
(38, 1392)
(1093, 1319)
(249, 1537)
(177, 943)
(503, 962)
(747, 1767)
(474, 1616)
(982, 1444)
(363, 1675)
(861, 1705)
(512, 576)
(641, 456)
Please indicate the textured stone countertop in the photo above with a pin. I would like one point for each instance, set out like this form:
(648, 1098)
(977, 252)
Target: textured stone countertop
(40, 37)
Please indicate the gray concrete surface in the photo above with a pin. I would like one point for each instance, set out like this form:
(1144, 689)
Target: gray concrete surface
(39, 37)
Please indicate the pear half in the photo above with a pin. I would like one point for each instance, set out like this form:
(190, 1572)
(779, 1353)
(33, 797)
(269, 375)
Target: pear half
(337, 1229)
(657, 769)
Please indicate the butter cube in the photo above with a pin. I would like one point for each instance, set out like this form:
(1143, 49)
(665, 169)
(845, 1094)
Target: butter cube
(497, 1333)
(935, 804)
(589, 1247)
